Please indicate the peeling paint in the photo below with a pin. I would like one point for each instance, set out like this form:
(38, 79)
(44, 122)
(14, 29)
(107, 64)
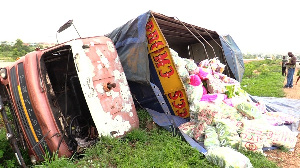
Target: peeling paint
(125, 92)
(103, 59)
(99, 66)
(104, 120)
(110, 46)
(113, 94)
(126, 108)
(119, 128)
(100, 89)
(97, 40)
(117, 61)
(119, 75)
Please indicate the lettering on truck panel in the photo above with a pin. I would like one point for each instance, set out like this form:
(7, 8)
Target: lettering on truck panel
(165, 69)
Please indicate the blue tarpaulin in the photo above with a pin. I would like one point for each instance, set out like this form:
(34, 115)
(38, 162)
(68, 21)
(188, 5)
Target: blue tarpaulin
(131, 43)
(234, 56)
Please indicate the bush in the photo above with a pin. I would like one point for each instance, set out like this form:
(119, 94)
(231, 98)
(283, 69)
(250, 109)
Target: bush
(7, 157)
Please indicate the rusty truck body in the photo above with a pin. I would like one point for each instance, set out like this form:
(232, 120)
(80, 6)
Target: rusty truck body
(64, 97)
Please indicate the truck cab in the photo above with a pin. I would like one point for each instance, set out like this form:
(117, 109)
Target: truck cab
(64, 97)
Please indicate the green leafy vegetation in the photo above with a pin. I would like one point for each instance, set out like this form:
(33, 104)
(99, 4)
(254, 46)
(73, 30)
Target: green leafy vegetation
(12, 52)
(7, 156)
(263, 78)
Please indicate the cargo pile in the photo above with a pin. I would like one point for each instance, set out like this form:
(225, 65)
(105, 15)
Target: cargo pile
(223, 116)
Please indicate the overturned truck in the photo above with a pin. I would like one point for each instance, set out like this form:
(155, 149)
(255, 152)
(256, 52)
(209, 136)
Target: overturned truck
(64, 97)
(176, 72)
(144, 44)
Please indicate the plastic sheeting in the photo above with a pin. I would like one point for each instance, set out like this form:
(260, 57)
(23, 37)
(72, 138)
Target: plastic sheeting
(284, 105)
(234, 56)
(131, 43)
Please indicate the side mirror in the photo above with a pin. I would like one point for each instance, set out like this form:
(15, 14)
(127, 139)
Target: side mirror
(65, 26)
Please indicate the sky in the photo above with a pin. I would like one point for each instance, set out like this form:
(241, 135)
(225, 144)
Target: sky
(257, 26)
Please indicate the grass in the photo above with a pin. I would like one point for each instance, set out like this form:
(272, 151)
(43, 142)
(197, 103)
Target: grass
(263, 78)
(258, 160)
(157, 148)
(7, 156)
(151, 146)
(139, 148)
(6, 56)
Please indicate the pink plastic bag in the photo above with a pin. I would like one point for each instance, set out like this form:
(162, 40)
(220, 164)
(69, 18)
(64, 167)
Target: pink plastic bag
(209, 97)
(213, 97)
(204, 73)
(195, 80)
(204, 90)
(228, 102)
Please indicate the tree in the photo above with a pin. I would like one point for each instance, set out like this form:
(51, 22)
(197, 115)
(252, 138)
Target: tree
(19, 49)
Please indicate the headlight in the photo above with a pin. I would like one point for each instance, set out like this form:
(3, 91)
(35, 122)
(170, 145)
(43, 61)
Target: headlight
(3, 73)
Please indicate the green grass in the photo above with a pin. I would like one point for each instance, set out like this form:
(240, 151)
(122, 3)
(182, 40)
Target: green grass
(157, 148)
(6, 56)
(7, 156)
(263, 78)
(140, 148)
(258, 160)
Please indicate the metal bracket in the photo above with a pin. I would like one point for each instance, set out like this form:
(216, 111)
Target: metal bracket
(10, 135)
(164, 106)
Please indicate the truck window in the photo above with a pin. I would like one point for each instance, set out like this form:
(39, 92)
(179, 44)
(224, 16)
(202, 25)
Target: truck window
(66, 97)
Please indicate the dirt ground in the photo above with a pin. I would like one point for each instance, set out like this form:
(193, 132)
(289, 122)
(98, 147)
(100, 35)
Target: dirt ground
(288, 159)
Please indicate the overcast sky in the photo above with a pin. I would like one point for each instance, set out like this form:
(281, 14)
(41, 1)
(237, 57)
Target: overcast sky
(269, 26)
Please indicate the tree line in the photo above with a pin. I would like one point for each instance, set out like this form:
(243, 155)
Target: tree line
(12, 52)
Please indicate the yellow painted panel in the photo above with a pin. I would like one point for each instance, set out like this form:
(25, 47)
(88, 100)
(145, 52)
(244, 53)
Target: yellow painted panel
(155, 38)
(162, 60)
(166, 70)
